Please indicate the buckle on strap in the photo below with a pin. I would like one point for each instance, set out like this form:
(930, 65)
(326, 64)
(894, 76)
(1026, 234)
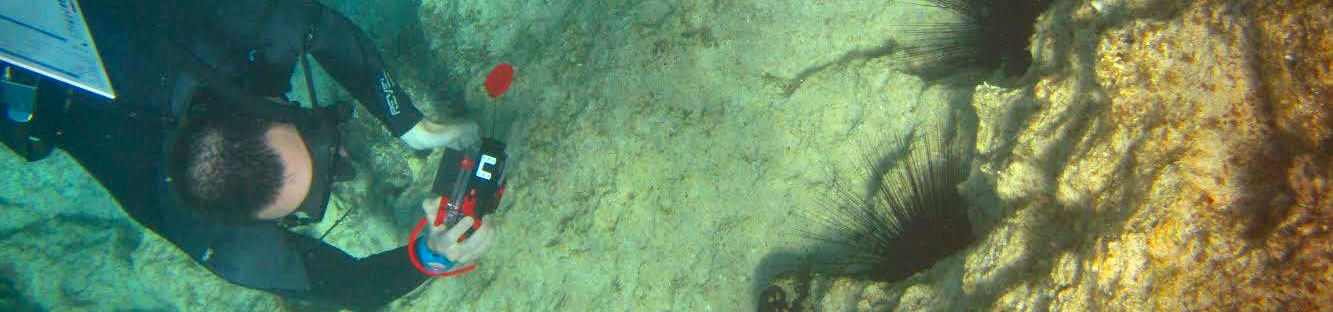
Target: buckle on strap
(18, 97)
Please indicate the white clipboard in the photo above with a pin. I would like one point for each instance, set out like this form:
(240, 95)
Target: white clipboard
(50, 37)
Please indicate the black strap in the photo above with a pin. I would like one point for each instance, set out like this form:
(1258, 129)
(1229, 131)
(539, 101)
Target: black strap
(209, 77)
(305, 64)
(309, 81)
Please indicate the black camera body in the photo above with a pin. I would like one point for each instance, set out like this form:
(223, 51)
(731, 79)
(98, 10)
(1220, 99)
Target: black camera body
(471, 183)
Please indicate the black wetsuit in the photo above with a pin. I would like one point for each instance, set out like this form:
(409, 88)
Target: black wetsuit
(257, 43)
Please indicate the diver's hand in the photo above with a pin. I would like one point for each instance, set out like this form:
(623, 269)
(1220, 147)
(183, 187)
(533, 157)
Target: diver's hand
(446, 242)
(456, 134)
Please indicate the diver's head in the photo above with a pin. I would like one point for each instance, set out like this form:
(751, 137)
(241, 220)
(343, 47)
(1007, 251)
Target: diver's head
(235, 168)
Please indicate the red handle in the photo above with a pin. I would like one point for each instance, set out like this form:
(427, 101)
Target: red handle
(469, 209)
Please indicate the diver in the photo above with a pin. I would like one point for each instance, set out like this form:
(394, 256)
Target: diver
(202, 147)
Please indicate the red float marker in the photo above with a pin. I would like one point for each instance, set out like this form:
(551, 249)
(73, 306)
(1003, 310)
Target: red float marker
(499, 79)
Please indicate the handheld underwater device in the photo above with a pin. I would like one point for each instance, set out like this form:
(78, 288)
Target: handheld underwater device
(470, 183)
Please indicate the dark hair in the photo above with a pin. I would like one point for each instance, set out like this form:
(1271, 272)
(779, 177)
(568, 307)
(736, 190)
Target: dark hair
(222, 167)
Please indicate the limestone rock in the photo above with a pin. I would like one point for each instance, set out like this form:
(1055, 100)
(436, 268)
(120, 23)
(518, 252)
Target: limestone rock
(1159, 156)
(1178, 145)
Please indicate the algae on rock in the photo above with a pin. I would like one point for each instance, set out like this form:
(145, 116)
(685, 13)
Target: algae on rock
(1159, 156)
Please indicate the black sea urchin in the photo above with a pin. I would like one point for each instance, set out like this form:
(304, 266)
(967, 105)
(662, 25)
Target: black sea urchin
(911, 216)
(986, 34)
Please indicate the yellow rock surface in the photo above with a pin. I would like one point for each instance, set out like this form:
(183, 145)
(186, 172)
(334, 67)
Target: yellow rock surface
(1165, 157)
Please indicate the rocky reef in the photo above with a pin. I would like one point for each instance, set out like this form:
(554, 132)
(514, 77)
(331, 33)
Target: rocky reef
(1159, 155)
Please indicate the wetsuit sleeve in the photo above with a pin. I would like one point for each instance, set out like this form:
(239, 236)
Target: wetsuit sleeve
(345, 52)
(359, 284)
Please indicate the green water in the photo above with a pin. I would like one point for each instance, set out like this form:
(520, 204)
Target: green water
(665, 150)
(674, 156)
